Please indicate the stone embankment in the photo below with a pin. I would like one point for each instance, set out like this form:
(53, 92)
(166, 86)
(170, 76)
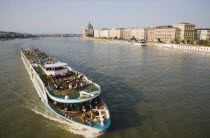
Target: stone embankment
(185, 47)
(92, 38)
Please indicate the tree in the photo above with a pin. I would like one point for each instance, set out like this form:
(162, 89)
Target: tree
(188, 41)
(202, 42)
(183, 41)
(177, 41)
(115, 37)
(133, 38)
(192, 42)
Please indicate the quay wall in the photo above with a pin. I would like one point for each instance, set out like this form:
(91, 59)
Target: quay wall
(185, 47)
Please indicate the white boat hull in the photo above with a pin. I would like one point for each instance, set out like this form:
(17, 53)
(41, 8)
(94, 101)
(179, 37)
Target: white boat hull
(42, 93)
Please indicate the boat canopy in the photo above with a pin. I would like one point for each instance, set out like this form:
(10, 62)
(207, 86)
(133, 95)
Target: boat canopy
(55, 65)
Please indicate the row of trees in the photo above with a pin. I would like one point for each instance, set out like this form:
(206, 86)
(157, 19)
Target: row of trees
(199, 42)
(203, 42)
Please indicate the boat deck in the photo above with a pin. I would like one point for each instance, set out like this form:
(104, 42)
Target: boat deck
(59, 85)
(80, 116)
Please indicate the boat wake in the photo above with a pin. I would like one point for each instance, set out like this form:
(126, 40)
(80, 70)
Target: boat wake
(39, 108)
(78, 130)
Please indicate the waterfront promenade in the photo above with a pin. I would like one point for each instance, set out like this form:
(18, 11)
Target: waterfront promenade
(185, 47)
(199, 48)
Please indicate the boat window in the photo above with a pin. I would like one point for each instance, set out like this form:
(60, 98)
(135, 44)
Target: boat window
(49, 69)
(59, 68)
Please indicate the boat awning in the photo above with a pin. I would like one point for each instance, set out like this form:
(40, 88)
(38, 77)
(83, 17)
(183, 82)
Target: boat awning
(57, 64)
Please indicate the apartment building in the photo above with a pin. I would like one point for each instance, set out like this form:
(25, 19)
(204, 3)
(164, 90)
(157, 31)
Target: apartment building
(203, 34)
(116, 32)
(187, 31)
(164, 33)
(138, 33)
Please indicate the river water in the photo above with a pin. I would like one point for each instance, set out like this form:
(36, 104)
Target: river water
(151, 92)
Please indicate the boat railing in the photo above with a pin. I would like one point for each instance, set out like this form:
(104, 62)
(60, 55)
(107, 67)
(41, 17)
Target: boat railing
(43, 87)
(50, 86)
(85, 78)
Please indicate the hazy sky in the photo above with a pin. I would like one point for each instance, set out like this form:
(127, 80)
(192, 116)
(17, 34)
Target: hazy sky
(69, 16)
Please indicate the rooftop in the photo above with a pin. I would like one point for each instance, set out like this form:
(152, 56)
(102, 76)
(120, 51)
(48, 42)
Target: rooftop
(203, 29)
(57, 64)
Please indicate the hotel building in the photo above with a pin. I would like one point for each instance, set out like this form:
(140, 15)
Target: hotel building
(187, 31)
(203, 34)
(164, 34)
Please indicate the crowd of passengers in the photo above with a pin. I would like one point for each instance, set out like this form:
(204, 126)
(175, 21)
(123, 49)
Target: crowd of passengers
(60, 82)
(83, 108)
(39, 57)
(68, 81)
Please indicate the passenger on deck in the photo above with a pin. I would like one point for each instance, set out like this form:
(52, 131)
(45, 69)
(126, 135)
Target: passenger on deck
(81, 84)
(66, 110)
(70, 86)
(75, 86)
(89, 122)
(83, 109)
(66, 97)
(102, 121)
(81, 78)
(91, 107)
(96, 103)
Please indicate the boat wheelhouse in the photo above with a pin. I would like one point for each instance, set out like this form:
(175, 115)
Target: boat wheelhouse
(66, 92)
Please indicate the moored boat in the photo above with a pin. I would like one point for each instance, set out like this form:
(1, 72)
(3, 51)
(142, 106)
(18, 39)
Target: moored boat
(66, 92)
(139, 43)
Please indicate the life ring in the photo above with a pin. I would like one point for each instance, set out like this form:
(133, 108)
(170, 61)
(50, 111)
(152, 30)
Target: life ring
(63, 93)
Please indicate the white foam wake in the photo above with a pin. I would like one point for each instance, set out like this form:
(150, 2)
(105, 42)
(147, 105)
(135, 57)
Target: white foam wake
(71, 127)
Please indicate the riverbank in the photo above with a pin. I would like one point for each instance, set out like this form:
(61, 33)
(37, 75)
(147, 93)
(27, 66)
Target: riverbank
(157, 44)
(185, 47)
(95, 39)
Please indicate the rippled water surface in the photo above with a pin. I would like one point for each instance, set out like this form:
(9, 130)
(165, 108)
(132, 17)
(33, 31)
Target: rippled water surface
(151, 92)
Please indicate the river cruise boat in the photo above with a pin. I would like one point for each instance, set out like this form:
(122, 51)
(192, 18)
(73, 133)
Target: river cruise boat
(66, 92)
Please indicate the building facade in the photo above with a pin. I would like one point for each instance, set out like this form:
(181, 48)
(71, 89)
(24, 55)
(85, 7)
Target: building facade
(151, 34)
(127, 33)
(116, 33)
(136, 33)
(187, 31)
(167, 34)
(203, 34)
(104, 33)
(164, 34)
(96, 33)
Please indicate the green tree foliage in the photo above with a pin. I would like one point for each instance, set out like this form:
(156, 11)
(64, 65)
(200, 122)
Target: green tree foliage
(133, 38)
(177, 41)
(115, 37)
(183, 41)
(202, 42)
(192, 42)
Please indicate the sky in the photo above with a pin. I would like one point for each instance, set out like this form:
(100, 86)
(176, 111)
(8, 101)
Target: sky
(70, 16)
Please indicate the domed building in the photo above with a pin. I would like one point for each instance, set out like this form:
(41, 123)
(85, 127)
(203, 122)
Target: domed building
(89, 31)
